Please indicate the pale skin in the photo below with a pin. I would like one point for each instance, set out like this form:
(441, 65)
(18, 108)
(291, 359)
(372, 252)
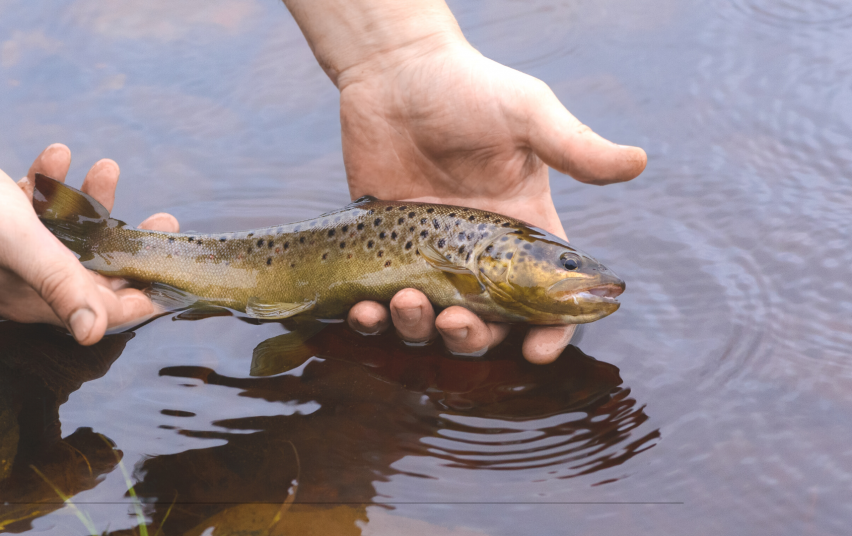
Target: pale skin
(424, 117)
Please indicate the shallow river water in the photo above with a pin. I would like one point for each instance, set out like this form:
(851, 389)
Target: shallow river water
(717, 400)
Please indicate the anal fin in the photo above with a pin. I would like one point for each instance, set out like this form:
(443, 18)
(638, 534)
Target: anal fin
(284, 352)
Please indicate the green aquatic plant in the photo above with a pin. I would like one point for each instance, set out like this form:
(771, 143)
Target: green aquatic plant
(86, 519)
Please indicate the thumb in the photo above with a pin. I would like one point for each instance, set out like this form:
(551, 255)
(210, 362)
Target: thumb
(569, 146)
(29, 250)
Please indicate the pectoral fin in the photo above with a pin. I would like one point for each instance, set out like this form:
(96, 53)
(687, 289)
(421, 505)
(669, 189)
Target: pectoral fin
(460, 276)
(284, 352)
(276, 310)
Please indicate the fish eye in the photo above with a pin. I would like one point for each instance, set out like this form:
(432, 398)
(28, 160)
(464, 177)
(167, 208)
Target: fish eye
(570, 261)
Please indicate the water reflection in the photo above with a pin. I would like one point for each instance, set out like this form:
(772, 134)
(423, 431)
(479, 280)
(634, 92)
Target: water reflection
(39, 368)
(378, 402)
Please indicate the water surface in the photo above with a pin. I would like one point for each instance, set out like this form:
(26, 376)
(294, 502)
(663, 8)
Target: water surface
(717, 400)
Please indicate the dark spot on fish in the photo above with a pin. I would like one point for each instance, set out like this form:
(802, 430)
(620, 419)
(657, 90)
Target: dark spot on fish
(393, 235)
(292, 265)
(458, 222)
(452, 214)
(408, 245)
(286, 245)
(441, 243)
(436, 224)
(527, 247)
(324, 256)
(342, 245)
(381, 253)
(481, 226)
(430, 210)
(403, 208)
(465, 209)
(199, 242)
(248, 251)
(509, 255)
(171, 239)
(461, 250)
(302, 240)
(388, 263)
(370, 212)
(388, 209)
(260, 242)
(417, 251)
(411, 214)
(400, 221)
(249, 235)
(497, 221)
(471, 218)
(488, 249)
(461, 236)
(377, 222)
(518, 232)
(424, 233)
(191, 238)
(330, 233)
(271, 243)
(506, 224)
(223, 239)
(269, 261)
(423, 221)
(370, 244)
(382, 235)
(411, 229)
(468, 256)
(345, 228)
(360, 226)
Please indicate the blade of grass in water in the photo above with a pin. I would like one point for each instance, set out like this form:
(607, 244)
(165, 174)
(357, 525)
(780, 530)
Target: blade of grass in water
(83, 517)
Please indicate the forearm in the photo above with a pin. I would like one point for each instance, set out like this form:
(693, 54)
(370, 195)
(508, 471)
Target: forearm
(353, 38)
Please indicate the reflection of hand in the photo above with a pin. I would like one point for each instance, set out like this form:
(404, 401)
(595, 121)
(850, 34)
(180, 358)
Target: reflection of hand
(441, 123)
(40, 280)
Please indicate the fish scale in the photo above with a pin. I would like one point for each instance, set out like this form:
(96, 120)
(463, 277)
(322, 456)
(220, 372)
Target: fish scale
(368, 250)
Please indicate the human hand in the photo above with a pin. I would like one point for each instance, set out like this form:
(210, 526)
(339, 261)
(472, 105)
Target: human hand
(41, 280)
(441, 123)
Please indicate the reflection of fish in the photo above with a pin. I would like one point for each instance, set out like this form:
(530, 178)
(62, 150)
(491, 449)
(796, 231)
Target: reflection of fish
(498, 267)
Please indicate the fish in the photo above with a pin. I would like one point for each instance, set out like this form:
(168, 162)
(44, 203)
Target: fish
(500, 268)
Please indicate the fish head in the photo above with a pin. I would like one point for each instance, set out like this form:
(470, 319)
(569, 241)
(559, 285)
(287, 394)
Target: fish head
(548, 280)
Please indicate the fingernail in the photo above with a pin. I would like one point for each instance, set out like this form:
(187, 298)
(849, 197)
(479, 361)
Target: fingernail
(410, 316)
(81, 323)
(458, 334)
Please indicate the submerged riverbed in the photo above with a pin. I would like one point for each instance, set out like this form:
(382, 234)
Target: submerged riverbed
(717, 400)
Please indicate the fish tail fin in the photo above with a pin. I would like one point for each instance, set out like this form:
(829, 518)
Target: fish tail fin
(75, 218)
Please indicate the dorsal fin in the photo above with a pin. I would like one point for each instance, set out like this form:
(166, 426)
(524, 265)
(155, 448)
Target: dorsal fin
(363, 200)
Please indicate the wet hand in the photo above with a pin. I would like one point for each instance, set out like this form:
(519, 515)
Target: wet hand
(42, 281)
(438, 122)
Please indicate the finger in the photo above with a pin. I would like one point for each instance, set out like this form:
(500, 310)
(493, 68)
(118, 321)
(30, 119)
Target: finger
(133, 306)
(100, 182)
(60, 280)
(569, 146)
(543, 344)
(54, 162)
(464, 333)
(161, 222)
(369, 318)
(413, 316)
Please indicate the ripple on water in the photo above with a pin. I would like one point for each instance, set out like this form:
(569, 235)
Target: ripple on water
(791, 13)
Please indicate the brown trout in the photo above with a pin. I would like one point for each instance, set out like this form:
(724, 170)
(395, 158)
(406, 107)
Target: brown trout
(500, 268)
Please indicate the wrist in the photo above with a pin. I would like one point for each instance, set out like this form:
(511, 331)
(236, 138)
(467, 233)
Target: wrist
(357, 39)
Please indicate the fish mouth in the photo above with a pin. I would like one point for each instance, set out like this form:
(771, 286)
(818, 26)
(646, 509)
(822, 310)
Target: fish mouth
(601, 293)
